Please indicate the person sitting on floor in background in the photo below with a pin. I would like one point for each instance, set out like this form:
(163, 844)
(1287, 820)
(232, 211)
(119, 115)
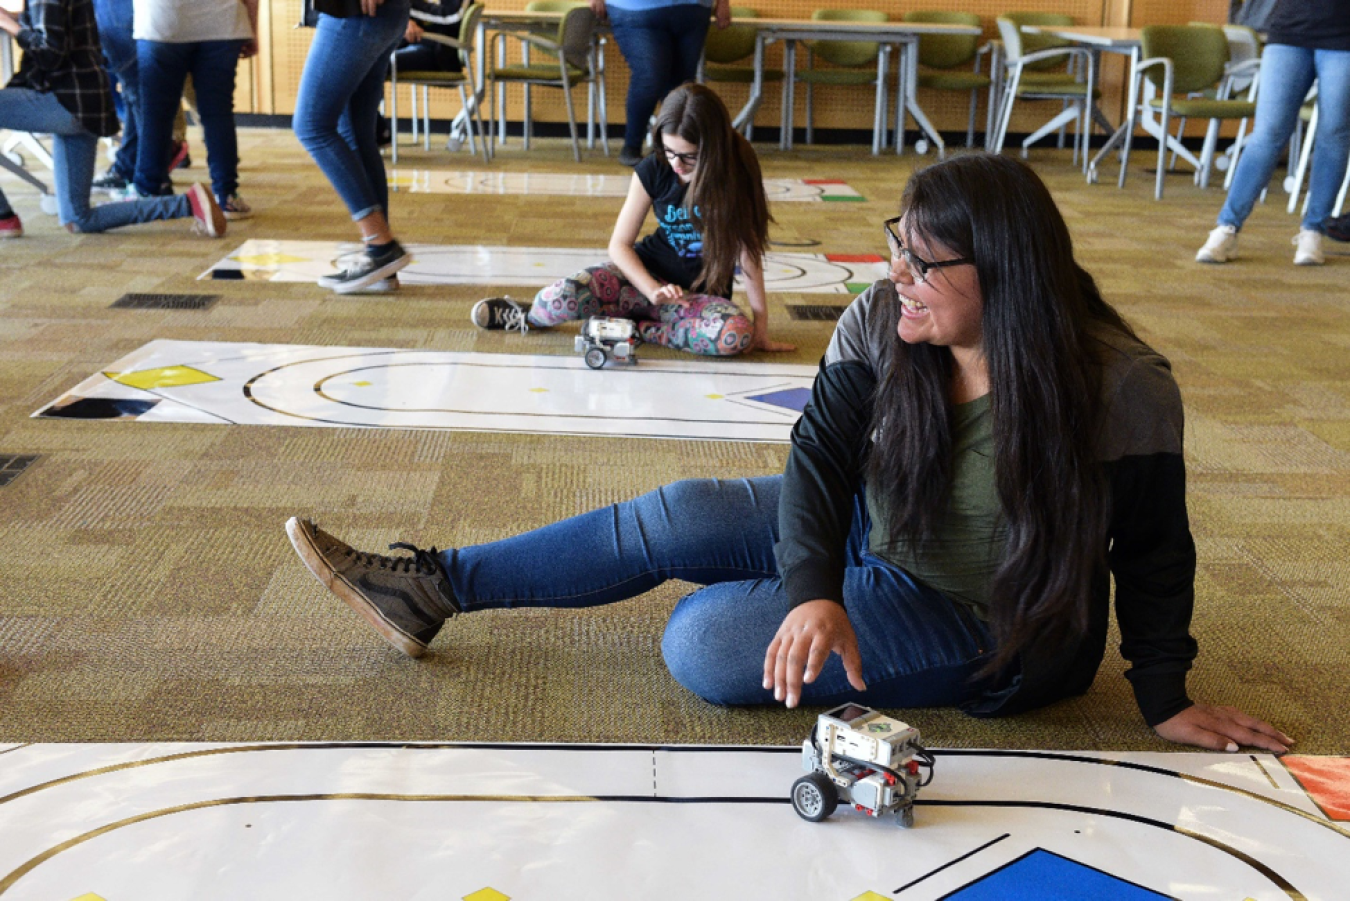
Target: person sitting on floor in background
(61, 89)
(704, 184)
(205, 39)
(987, 444)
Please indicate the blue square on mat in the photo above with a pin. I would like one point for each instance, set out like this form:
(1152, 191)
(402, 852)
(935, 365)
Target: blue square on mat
(790, 399)
(1044, 876)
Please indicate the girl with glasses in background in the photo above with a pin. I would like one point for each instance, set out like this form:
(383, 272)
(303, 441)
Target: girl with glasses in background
(703, 182)
(988, 446)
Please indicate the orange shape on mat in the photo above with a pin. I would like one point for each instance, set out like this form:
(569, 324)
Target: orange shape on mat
(1326, 780)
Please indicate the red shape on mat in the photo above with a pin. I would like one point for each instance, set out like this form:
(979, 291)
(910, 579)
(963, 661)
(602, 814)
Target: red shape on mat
(854, 258)
(1326, 780)
(823, 181)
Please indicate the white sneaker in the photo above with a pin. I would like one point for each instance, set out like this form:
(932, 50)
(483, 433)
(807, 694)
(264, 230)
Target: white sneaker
(1309, 251)
(1220, 246)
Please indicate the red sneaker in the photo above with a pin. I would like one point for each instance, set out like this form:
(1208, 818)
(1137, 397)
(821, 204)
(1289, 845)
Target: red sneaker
(180, 159)
(11, 227)
(210, 217)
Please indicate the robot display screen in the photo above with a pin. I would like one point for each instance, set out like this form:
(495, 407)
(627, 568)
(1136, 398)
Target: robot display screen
(851, 712)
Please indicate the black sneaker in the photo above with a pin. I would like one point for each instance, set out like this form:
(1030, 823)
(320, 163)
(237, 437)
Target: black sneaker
(406, 599)
(111, 180)
(629, 157)
(497, 313)
(1338, 229)
(368, 267)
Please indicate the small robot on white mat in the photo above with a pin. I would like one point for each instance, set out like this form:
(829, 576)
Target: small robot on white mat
(863, 758)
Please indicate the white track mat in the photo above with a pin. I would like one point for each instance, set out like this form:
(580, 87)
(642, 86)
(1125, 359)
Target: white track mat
(616, 823)
(281, 384)
(445, 181)
(533, 267)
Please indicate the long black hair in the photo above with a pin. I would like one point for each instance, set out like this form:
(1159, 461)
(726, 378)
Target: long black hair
(1040, 313)
(727, 189)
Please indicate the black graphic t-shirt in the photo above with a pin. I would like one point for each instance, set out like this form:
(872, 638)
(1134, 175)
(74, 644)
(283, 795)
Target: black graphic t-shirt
(674, 252)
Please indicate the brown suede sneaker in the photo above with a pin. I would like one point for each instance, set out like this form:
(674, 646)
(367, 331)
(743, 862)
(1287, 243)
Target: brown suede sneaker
(406, 599)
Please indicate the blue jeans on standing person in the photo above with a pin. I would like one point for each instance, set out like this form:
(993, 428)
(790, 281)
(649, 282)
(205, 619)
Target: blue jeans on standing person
(74, 149)
(1286, 75)
(119, 49)
(337, 108)
(662, 47)
(918, 648)
(164, 69)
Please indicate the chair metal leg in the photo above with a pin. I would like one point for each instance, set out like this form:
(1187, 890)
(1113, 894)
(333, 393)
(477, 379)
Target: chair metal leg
(572, 123)
(426, 118)
(393, 114)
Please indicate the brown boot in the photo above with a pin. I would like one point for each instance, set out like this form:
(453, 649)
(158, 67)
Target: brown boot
(406, 599)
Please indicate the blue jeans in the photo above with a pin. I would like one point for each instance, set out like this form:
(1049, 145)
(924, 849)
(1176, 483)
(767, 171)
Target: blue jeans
(1286, 75)
(119, 49)
(918, 648)
(164, 69)
(74, 149)
(338, 105)
(662, 47)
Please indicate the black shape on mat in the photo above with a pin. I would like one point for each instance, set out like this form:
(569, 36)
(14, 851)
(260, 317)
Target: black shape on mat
(100, 408)
(165, 301)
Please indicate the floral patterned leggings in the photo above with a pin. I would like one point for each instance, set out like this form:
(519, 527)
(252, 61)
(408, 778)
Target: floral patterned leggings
(703, 324)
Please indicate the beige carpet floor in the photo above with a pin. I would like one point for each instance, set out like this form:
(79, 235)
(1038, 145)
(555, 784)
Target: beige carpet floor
(147, 591)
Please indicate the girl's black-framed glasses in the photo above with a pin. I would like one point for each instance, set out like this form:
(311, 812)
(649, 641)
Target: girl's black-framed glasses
(915, 263)
(688, 159)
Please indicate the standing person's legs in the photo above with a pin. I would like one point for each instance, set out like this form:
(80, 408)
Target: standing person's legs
(1331, 152)
(119, 47)
(646, 47)
(213, 67)
(347, 56)
(1286, 75)
(163, 69)
(688, 33)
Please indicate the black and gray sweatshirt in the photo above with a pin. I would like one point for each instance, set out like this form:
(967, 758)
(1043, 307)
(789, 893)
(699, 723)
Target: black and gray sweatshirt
(1150, 552)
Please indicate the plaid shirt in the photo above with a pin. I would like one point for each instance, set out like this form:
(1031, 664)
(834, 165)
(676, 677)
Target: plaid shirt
(62, 56)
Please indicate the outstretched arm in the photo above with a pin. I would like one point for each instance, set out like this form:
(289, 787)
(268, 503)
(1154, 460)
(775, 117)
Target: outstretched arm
(752, 270)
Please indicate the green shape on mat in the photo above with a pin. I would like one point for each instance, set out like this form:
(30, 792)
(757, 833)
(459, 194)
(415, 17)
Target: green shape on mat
(854, 199)
(857, 287)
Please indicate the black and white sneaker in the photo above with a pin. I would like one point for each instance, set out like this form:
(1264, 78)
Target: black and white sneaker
(497, 313)
(371, 265)
(111, 180)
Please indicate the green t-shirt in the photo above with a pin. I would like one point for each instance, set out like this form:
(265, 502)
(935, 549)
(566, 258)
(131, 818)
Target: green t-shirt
(962, 557)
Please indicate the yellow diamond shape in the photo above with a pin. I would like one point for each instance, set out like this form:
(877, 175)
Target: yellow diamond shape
(269, 260)
(714, 396)
(539, 390)
(871, 896)
(362, 384)
(163, 377)
(487, 894)
(88, 896)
